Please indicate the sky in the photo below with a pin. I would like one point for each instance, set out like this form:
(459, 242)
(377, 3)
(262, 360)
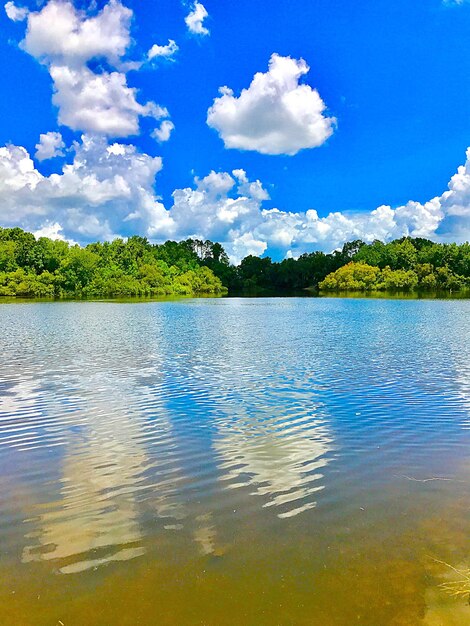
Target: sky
(276, 128)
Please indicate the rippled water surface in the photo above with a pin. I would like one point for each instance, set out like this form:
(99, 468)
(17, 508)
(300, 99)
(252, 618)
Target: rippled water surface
(235, 462)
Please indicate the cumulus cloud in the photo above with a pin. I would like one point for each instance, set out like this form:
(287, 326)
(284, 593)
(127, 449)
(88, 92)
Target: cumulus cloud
(194, 20)
(61, 33)
(166, 52)
(16, 173)
(215, 209)
(15, 13)
(105, 188)
(109, 190)
(455, 205)
(52, 231)
(230, 208)
(100, 103)
(275, 114)
(50, 145)
(163, 133)
(66, 40)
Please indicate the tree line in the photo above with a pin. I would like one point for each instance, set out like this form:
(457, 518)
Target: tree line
(403, 265)
(406, 264)
(48, 268)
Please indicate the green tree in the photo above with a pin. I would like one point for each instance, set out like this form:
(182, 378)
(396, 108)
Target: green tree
(77, 269)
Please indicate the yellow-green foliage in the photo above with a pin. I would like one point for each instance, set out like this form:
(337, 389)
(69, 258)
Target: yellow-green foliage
(363, 277)
(353, 277)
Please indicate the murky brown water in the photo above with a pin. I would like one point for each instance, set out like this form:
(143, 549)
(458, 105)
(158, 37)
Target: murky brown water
(235, 462)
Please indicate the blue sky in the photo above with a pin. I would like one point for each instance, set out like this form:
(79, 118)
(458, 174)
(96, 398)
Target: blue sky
(380, 119)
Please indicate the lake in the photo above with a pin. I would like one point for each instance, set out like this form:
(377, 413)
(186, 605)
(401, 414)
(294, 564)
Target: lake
(267, 461)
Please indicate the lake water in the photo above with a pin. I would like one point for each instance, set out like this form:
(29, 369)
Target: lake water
(283, 461)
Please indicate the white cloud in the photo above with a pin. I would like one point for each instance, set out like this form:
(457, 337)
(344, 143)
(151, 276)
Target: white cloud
(108, 190)
(245, 245)
(100, 103)
(229, 208)
(103, 189)
(15, 13)
(254, 190)
(167, 51)
(16, 172)
(65, 40)
(163, 133)
(275, 115)
(50, 145)
(194, 20)
(455, 204)
(52, 231)
(61, 33)
(217, 209)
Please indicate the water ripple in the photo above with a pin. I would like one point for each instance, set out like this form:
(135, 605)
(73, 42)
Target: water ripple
(124, 424)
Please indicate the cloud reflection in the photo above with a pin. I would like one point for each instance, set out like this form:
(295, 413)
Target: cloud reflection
(285, 465)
